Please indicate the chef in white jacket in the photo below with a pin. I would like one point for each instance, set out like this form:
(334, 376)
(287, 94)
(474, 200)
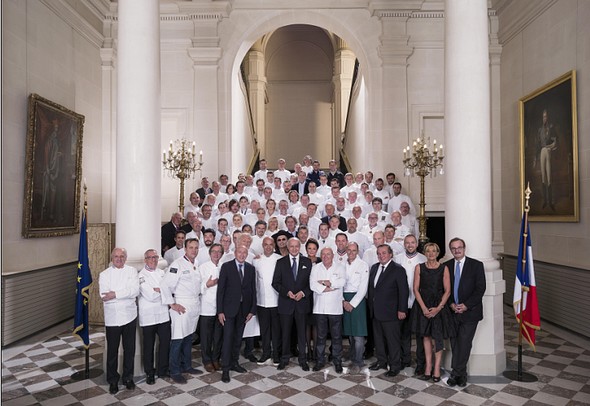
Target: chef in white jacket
(184, 281)
(118, 287)
(210, 329)
(154, 318)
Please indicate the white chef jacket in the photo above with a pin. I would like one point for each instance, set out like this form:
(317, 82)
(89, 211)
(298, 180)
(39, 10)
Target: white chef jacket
(124, 282)
(357, 280)
(173, 254)
(266, 295)
(409, 265)
(327, 302)
(209, 294)
(153, 306)
(184, 281)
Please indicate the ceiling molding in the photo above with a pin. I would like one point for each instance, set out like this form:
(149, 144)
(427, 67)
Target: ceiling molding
(78, 23)
(515, 16)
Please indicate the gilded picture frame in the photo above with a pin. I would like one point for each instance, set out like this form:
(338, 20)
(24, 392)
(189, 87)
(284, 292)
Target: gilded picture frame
(549, 151)
(53, 168)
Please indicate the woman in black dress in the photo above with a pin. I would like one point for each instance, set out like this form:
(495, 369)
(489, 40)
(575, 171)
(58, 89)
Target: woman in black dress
(432, 287)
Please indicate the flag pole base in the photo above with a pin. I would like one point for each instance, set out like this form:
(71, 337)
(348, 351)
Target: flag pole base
(82, 375)
(523, 377)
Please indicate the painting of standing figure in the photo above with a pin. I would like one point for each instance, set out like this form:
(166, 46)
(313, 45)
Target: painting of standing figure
(53, 169)
(549, 150)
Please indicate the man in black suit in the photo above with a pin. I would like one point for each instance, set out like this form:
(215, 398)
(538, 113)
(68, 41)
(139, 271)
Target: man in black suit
(388, 304)
(468, 284)
(204, 190)
(168, 232)
(236, 304)
(334, 173)
(314, 175)
(291, 280)
(301, 185)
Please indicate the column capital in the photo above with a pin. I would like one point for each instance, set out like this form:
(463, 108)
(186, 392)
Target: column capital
(205, 55)
(108, 57)
(395, 50)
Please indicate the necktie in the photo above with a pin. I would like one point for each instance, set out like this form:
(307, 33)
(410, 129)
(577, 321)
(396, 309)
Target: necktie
(294, 268)
(240, 266)
(457, 280)
(379, 272)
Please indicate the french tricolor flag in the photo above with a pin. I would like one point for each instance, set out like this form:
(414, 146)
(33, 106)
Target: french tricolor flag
(525, 302)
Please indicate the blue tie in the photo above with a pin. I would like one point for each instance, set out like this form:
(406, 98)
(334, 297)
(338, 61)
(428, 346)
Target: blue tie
(457, 280)
(294, 268)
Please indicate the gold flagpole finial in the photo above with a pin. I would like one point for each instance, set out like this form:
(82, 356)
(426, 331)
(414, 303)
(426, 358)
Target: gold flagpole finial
(527, 196)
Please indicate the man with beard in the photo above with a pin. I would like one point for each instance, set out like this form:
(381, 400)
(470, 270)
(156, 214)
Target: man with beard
(208, 240)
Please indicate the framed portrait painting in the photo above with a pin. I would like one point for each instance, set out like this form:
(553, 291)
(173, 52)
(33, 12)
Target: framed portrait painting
(52, 170)
(549, 150)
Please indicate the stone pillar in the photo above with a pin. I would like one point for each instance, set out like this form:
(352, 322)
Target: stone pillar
(344, 60)
(138, 135)
(394, 52)
(256, 77)
(468, 202)
(205, 54)
(138, 129)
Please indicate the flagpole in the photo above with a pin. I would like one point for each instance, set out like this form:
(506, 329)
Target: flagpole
(519, 375)
(87, 373)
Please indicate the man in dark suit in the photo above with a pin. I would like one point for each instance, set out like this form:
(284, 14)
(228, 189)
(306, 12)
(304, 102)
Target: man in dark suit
(388, 304)
(301, 185)
(204, 190)
(334, 173)
(291, 280)
(314, 175)
(236, 304)
(468, 284)
(168, 232)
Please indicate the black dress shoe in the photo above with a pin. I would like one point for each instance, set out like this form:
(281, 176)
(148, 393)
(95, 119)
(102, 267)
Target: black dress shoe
(419, 371)
(225, 377)
(129, 384)
(424, 377)
(151, 379)
(319, 366)
(282, 365)
(194, 371)
(252, 358)
(377, 366)
(238, 368)
(391, 373)
(462, 381)
(113, 388)
(338, 368)
(405, 364)
(304, 366)
(452, 381)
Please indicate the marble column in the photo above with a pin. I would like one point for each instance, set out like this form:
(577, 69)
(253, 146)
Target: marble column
(256, 77)
(468, 202)
(138, 159)
(344, 60)
(138, 129)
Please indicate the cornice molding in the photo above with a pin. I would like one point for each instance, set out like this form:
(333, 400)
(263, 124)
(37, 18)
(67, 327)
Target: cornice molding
(515, 16)
(78, 23)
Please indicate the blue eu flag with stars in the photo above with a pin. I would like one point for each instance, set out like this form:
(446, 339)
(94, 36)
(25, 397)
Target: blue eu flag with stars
(83, 281)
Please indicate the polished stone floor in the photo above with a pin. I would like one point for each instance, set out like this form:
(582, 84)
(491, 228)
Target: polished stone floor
(38, 371)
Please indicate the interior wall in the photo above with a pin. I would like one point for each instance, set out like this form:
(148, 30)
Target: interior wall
(43, 54)
(551, 45)
(300, 63)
